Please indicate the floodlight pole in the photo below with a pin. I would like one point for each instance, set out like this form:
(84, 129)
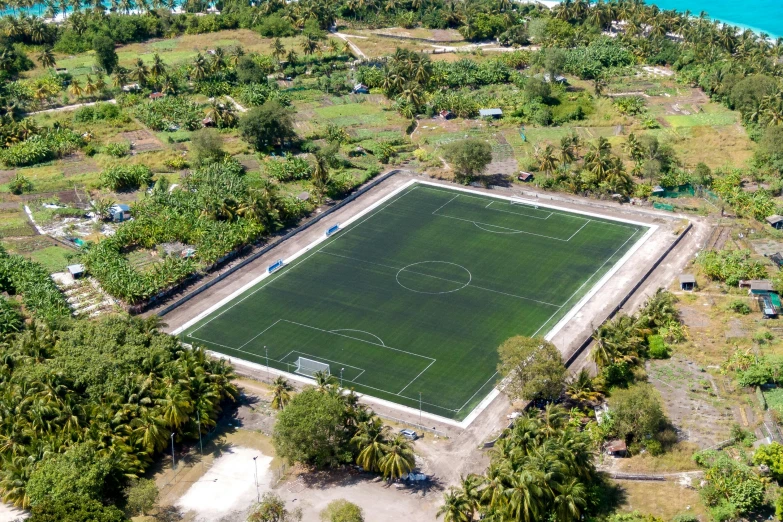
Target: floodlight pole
(266, 350)
(255, 462)
(341, 377)
(173, 460)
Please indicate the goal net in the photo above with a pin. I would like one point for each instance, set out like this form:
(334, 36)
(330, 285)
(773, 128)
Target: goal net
(520, 201)
(308, 367)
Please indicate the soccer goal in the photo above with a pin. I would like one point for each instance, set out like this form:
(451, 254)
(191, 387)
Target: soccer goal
(520, 201)
(309, 367)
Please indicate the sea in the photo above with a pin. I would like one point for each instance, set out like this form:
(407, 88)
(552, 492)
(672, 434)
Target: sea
(761, 16)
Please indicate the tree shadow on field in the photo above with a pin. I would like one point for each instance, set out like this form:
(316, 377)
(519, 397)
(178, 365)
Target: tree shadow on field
(608, 495)
(499, 180)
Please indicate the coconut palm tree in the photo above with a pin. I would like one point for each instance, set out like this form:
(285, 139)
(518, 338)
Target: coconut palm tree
(46, 58)
(121, 75)
(198, 69)
(580, 388)
(309, 45)
(281, 393)
(547, 161)
(324, 381)
(278, 49)
(89, 87)
(140, 73)
(455, 507)
(236, 54)
(75, 88)
(370, 441)
(158, 67)
(399, 458)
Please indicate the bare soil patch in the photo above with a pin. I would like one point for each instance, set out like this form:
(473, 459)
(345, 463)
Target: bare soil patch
(78, 163)
(691, 401)
(142, 140)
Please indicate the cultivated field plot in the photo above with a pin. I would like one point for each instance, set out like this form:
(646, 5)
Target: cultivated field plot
(415, 296)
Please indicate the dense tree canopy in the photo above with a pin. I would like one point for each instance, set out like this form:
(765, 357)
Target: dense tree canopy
(533, 369)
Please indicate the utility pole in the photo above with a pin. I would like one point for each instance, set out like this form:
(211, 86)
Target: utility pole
(266, 350)
(419, 408)
(255, 462)
(173, 460)
(341, 377)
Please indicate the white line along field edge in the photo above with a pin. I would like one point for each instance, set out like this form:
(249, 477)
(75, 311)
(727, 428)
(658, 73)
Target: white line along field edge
(495, 391)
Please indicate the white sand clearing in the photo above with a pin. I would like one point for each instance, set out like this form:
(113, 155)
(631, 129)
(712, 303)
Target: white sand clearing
(228, 486)
(9, 513)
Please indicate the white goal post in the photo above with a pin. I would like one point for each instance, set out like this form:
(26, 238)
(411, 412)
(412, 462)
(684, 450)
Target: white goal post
(309, 367)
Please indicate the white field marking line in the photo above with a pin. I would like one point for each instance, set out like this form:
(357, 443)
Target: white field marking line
(512, 230)
(260, 333)
(370, 398)
(440, 278)
(420, 374)
(403, 269)
(570, 213)
(580, 229)
(518, 213)
(479, 389)
(265, 275)
(362, 331)
(446, 203)
(586, 281)
(357, 339)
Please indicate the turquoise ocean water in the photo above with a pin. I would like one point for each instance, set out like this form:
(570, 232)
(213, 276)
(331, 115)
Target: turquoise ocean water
(760, 15)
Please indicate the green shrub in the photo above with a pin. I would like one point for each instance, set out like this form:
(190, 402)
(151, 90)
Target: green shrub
(657, 347)
(10, 317)
(731, 266)
(125, 177)
(20, 184)
(117, 149)
(740, 307)
(289, 169)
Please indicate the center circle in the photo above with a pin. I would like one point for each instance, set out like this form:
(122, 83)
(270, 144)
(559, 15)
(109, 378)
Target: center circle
(434, 277)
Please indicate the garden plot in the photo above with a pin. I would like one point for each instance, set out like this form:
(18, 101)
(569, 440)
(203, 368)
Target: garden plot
(142, 140)
(78, 163)
(84, 295)
(691, 401)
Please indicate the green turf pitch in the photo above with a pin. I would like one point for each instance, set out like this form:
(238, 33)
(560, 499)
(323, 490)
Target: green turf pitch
(416, 296)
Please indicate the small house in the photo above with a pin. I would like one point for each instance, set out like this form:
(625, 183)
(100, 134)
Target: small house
(120, 213)
(360, 88)
(157, 95)
(777, 259)
(76, 271)
(687, 282)
(767, 305)
(525, 177)
(616, 448)
(491, 113)
(759, 286)
(131, 87)
(658, 191)
(775, 221)
(446, 115)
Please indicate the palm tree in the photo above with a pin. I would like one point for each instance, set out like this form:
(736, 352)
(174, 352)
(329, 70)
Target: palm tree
(292, 57)
(547, 161)
(75, 88)
(570, 499)
(278, 50)
(237, 52)
(399, 458)
(370, 441)
(120, 77)
(140, 73)
(455, 507)
(580, 388)
(158, 68)
(46, 58)
(309, 45)
(281, 392)
(198, 68)
(89, 87)
(324, 381)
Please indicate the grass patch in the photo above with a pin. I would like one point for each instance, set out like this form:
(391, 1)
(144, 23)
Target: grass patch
(53, 258)
(662, 499)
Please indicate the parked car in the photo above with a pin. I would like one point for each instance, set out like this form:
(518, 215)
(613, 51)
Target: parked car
(409, 434)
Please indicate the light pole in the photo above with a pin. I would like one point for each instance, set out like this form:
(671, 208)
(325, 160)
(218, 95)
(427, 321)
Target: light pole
(420, 408)
(266, 350)
(173, 460)
(341, 377)
(255, 462)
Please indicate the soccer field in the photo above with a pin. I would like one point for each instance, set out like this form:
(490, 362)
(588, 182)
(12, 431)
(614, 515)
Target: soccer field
(411, 300)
